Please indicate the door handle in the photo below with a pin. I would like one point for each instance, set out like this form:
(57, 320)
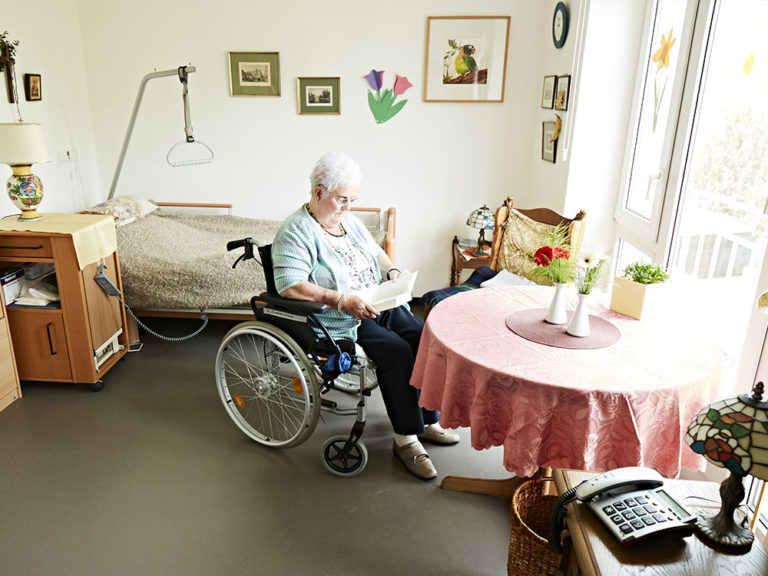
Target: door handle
(50, 338)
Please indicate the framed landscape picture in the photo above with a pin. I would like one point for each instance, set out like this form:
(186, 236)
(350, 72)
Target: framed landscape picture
(466, 59)
(548, 92)
(548, 145)
(318, 95)
(254, 73)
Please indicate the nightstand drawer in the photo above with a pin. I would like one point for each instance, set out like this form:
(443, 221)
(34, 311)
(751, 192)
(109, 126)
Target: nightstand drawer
(30, 247)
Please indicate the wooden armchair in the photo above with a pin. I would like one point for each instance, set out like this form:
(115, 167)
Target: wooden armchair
(517, 234)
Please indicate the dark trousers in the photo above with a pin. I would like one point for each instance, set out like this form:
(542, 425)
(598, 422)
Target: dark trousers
(391, 340)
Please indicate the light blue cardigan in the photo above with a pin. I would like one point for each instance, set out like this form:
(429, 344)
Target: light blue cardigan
(300, 252)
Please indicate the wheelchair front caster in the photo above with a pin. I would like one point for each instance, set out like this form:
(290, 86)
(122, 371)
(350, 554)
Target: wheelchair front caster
(344, 458)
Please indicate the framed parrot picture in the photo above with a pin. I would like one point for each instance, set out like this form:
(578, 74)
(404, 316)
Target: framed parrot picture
(466, 58)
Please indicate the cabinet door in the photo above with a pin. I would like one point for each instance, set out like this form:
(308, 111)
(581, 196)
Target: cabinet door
(104, 312)
(40, 344)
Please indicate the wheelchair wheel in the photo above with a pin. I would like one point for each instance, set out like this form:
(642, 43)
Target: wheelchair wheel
(341, 462)
(267, 385)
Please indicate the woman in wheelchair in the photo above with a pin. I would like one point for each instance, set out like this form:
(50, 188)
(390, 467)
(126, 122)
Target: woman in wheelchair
(324, 255)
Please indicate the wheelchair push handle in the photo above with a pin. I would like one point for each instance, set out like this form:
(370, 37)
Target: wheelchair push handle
(247, 244)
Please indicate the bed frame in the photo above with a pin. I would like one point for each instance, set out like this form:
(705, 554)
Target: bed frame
(384, 219)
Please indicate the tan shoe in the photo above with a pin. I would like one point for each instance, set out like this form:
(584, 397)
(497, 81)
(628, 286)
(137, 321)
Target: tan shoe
(417, 463)
(442, 437)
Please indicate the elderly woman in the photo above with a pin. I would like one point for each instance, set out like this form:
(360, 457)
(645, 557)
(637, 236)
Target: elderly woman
(323, 254)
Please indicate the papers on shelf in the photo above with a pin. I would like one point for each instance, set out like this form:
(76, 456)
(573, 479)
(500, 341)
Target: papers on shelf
(393, 293)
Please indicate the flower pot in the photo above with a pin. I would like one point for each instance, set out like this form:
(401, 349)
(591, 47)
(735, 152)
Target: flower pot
(638, 300)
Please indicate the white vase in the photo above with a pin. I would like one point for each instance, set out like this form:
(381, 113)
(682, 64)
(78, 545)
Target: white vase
(579, 324)
(556, 312)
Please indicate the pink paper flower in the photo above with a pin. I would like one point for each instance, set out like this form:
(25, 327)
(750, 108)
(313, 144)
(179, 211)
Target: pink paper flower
(401, 84)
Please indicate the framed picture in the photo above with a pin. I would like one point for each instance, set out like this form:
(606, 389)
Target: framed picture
(318, 95)
(254, 73)
(32, 87)
(466, 58)
(548, 92)
(548, 145)
(561, 92)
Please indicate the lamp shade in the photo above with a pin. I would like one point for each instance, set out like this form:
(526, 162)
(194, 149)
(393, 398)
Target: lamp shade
(481, 218)
(22, 144)
(733, 434)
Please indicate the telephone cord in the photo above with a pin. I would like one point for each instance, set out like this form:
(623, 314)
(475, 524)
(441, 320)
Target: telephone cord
(203, 317)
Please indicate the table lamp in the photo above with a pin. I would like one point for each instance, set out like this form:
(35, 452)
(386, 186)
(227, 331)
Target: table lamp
(481, 218)
(732, 434)
(21, 145)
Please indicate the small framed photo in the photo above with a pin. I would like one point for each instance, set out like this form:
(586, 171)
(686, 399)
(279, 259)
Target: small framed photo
(548, 92)
(318, 95)
(561, 92)
(32, 87)
(548, 143)
(254, 73)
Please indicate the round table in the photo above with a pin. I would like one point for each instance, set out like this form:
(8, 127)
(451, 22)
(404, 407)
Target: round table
(627, 404)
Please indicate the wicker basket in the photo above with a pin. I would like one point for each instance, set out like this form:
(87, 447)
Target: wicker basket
(529, 551)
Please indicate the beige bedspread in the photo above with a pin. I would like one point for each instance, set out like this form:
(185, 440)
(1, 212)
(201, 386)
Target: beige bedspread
(180, 261)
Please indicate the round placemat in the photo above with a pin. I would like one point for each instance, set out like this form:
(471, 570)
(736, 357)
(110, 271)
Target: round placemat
(530, 325)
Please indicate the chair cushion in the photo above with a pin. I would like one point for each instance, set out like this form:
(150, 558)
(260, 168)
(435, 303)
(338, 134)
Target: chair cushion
(522, 237)
(480, 275)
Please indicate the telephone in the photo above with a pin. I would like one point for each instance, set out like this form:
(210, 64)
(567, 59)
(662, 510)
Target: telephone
(631, 503)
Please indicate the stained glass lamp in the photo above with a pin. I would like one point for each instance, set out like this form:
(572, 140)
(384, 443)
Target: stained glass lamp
(481, 218)
(732, 434)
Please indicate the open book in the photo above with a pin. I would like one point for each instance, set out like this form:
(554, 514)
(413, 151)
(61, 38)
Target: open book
(393, 293)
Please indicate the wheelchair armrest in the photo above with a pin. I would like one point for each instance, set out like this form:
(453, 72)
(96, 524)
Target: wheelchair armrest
(298, 305)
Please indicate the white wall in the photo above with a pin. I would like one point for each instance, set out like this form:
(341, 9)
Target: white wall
(434, 162)
(50, 46)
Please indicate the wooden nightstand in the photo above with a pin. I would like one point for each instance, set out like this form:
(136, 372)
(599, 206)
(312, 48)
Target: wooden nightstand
(460, 263)
(596, 552)
(80, 338)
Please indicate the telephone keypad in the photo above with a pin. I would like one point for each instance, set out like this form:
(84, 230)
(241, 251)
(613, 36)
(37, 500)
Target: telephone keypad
(641, 515)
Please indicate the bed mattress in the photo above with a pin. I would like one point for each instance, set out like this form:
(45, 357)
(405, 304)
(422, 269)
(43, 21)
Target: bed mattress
(179, 261)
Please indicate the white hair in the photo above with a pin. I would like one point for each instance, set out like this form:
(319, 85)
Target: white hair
(336, 170)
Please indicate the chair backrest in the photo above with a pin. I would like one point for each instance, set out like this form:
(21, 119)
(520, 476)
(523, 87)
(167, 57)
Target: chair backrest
(265, 255)
(519, 233)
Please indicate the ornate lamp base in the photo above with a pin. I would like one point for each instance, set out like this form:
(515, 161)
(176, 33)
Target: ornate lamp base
(25, 191)
(721, 531)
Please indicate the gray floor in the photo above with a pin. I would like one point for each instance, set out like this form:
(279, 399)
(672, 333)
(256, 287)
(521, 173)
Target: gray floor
(149, 476)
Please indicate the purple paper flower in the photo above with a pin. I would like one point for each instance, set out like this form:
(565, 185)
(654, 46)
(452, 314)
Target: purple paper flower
(375, 79)
(401, 84)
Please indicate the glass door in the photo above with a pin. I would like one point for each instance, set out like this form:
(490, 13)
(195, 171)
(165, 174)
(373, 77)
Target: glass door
(720, 232)
(696, 196)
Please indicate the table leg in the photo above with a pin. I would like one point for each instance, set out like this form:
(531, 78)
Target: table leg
(503, 488)
(492, 487)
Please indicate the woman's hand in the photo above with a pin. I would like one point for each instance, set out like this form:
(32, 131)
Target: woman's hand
(357, 307)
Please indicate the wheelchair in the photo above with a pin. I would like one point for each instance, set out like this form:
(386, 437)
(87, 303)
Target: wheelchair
(272, 374)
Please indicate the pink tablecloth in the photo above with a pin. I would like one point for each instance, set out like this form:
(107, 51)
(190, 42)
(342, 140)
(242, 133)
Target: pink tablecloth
(625, 405)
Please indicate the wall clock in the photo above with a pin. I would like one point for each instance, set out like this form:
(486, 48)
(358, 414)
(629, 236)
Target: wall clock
(560, 25)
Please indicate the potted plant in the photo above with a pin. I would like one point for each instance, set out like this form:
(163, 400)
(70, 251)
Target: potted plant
(639, 293)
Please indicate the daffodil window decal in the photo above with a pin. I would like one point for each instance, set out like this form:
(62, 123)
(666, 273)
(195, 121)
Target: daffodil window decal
(661, 56)
(382, 104)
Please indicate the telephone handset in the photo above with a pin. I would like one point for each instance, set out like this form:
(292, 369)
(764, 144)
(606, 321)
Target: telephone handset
(631, 503)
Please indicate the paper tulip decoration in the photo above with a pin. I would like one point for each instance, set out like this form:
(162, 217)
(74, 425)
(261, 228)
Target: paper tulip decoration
(382, 104)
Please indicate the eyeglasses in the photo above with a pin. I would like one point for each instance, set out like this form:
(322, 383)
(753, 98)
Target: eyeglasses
(340, 201)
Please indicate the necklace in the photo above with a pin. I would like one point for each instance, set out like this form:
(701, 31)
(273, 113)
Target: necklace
(339, 227)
